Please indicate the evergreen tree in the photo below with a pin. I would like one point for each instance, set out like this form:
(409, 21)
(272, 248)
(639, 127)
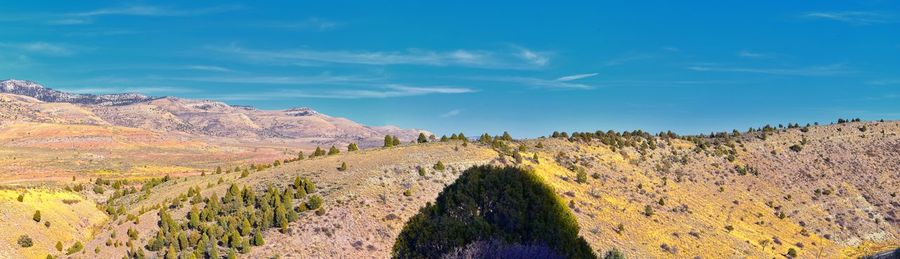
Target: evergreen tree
(506, 136)
(343, 167)
(171, 253)
(37, 216)
(388, 141)
(218, 170)
(194, 216)
(300, 155)
(422, 138)
(319, 152)
(333, 151)
(439, 166)
(396, 141)
(454, 136)
(258, 238)
(59, 246)
(352, 147)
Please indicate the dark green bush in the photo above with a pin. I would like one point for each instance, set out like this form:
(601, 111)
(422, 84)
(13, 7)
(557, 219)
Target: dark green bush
(491, 203)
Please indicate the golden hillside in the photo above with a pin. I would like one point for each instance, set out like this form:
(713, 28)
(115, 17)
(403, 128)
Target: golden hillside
(749, 195)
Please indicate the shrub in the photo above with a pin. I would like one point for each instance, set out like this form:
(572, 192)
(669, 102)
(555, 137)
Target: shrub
(59, 246)
(75, 248)
(792, 253)
(422, 138)
(37, 216)
(510, 205)
(352, 147)
(407, 192)
(439, 166)
(343, 167)
(21, 197)
(314, 202)
(581, 176)
(614, 254)
(796, 148)
(388, 141)
(421, 171)
(648, 211)
(25, 241)
(319, 152)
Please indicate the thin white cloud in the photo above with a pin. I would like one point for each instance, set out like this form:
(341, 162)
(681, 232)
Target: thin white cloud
(139, 89)
(576, 77)
(385, 91)
(462, 58)
(208, 68)
(535, 82)
(148, 10)
(852, 17)
(536, 58)
(829, 70)
(750, 54)
(451, 113)
(279, 80)
(311, 23)
(884, 82)
(41, 47)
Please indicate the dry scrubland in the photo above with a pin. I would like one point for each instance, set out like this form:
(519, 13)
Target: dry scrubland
(834, 196)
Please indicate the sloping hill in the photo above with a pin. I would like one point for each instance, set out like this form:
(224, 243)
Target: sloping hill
(747, 195)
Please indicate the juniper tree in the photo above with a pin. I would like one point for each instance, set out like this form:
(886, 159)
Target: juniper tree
(352, 147)
(444, 138)
(343, 167)
(396, 141)
(388, 141)
(439, 166)
(333, 151)
(37, 216)
(319, 152)
(422, 138)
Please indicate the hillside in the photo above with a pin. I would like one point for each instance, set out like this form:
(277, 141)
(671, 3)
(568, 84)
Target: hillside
(748, 195)
(297, 127)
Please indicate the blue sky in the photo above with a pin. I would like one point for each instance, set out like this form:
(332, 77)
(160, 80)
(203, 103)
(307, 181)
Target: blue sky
(479, 67)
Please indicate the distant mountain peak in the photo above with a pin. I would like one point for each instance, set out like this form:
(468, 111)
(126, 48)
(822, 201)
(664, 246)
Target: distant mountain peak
(38, 91)
(301, 111)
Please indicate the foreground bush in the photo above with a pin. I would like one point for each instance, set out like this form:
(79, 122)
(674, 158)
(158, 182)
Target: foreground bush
(504, 207)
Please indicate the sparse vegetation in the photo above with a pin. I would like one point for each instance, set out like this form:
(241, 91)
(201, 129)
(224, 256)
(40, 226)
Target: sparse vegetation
(25, 241)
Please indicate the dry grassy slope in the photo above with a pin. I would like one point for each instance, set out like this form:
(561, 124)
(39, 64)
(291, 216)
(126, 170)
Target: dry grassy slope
(366, 208)
(55, 152)
(862, 173)
(356, 222)
(71, 217)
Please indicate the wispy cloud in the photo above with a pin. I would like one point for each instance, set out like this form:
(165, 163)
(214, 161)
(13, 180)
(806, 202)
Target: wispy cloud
(40, 47)
(462, 58)
(208, 68)
(576, 77)
(536, 58)
(852, 17)
(533, 82)
(148, 10)
(311, 23)
(138, 89)
(829, 70)
(752, 55)
(884, 82)
(279, 80)
(451, 113)
(384, 91)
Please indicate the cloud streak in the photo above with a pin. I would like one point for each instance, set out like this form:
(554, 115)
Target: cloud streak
(535, 82)
(851, 17)
(829, 70)
(575, 77)
(380, 92)
(461, 58)
(451, 113)
(40, 47)
(148, 10)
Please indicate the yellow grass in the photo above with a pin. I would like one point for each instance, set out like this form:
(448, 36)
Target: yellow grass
(68, 222)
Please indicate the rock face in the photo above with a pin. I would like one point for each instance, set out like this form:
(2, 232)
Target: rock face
(196, 117)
